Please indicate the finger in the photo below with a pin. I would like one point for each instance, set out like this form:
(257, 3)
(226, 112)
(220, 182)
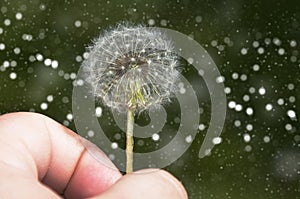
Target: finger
(146, 184)
(16, 183)
(92, 176)
(44, 150)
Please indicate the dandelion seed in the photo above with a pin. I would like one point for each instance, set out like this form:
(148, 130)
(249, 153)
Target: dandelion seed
(132, 68)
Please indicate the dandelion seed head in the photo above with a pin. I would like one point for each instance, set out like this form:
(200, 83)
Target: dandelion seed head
(132, 66)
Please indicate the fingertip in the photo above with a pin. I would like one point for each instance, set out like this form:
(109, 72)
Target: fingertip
(175, 182)
(148, 183)
(168, 178)
(94, 174)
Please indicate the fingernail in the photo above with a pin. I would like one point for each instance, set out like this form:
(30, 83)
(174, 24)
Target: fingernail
(97, 154)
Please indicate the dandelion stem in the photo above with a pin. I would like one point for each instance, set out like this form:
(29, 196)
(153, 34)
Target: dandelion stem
(129, 140)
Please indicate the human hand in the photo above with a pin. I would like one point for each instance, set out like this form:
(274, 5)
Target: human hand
(39, 158)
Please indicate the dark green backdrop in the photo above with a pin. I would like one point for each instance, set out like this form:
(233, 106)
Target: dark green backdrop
(255, 45)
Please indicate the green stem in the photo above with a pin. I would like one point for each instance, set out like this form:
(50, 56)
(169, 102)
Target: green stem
(129, 140)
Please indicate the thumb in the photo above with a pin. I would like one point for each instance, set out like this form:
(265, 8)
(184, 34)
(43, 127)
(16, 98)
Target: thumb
(148, 183)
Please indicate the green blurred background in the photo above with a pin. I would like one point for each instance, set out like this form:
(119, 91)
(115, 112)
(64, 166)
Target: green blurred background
(255, 45)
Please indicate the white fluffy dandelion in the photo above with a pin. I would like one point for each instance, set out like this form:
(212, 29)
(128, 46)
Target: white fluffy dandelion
(132, 68)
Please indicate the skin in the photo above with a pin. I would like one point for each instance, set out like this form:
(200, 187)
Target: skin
(39, 158)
